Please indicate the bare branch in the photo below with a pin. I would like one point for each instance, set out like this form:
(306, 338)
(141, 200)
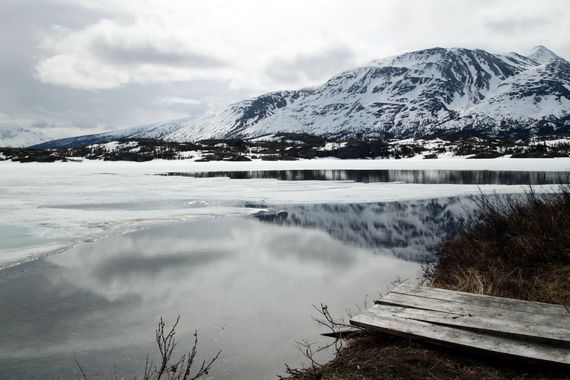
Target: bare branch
(180, 369)
(166, 344)
(81, 369)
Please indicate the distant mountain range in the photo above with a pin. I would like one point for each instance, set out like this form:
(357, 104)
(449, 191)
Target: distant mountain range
(20, 137)
(425, 92)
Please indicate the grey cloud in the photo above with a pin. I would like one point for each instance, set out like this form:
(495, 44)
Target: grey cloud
(149, 266)
(317, 66)
(513, 25)
(44, 125)
(314, 249)
(31, 103)
(36, 293)
(149, 54)
(49, 108)
(26, 15)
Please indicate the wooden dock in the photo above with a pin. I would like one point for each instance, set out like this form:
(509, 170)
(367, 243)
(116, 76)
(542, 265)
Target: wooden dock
(532, 331)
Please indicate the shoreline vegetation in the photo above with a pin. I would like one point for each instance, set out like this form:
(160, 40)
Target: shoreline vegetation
(289, 146)
(512, 246)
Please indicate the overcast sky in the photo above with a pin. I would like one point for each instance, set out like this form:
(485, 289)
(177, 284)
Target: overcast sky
(73, 67)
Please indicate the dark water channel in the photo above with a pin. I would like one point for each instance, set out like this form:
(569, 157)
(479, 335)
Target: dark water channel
(460, 177)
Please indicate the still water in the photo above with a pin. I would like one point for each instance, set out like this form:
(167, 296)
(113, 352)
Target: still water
(246, 284)
(459, 177)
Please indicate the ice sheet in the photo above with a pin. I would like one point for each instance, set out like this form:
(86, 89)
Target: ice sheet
(63, 204)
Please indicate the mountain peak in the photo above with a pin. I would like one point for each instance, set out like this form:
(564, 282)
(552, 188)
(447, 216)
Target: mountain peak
(542, 54)
(419, 93)
(20, 137)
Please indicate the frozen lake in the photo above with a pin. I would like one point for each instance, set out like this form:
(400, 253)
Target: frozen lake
(241, 257)
(50, 207)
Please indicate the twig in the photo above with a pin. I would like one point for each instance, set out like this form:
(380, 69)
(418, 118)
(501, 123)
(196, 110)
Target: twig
(180, 369)
(81, 369)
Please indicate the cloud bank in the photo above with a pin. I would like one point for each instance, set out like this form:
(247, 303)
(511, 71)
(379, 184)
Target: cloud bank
(82, 67)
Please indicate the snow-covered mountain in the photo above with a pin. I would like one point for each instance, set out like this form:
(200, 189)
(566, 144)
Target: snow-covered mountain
(414, 94)
(20, 137)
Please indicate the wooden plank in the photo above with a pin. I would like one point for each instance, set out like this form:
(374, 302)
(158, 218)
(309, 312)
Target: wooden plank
(515, 329)
(449, 336)
(413, 301)
(483, 300)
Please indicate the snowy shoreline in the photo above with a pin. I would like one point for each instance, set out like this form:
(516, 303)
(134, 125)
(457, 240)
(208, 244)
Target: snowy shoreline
(414, 163)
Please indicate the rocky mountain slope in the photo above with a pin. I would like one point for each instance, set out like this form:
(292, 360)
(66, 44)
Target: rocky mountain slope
(426, 92)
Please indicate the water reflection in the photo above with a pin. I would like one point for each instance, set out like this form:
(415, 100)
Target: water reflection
(127, 264)
(405, 229)
(247, 286)
(466, 177)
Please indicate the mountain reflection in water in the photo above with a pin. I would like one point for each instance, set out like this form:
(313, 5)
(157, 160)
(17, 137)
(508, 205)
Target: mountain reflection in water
(405, 229)
(462, 177)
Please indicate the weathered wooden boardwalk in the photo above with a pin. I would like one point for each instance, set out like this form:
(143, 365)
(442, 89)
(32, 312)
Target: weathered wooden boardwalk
(532, 331)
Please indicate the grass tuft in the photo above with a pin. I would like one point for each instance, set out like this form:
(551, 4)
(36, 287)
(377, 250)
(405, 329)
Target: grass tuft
(513, 246)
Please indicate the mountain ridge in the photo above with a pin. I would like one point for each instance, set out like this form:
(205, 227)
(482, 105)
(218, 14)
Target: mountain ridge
(419, 93)
(20, 137)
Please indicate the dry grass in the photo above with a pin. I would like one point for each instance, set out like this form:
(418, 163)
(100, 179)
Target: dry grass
(513, 247)
(517, 247)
